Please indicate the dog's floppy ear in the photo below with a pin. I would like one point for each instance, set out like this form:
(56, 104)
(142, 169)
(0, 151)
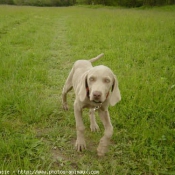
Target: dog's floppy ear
(115, 93)
(83, 87)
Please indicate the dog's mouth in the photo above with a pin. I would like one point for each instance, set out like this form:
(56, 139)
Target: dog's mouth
(96, 101)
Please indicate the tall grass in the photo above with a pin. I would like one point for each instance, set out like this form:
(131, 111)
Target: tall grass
(37, 49)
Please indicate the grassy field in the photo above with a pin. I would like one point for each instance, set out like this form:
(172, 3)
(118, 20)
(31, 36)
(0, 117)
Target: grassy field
(37, 49)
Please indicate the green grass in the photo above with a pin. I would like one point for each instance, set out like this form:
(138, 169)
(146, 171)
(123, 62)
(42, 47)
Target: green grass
(37, 49)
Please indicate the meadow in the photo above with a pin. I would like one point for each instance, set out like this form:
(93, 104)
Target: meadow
(38, 47)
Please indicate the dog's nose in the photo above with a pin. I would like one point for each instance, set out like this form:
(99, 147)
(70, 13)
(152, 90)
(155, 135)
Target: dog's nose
(97, 94)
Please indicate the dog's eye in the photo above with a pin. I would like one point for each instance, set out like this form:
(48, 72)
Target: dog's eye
(107, 80)
(92, 79)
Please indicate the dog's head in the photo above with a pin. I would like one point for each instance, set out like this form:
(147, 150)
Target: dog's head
(99, 84)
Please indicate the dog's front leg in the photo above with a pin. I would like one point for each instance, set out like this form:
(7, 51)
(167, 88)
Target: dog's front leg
(105, 140)
(94, 126)
(80, 142)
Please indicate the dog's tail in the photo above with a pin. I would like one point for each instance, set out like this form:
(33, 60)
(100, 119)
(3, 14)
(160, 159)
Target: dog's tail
(96, 58)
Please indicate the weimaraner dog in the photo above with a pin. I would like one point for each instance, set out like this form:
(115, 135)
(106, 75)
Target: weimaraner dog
(95, 88)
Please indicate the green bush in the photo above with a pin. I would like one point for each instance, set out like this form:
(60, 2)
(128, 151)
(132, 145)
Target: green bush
(158, 2)
(130, 3)
(18, 2)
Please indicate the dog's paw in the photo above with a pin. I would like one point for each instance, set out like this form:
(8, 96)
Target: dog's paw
(65, 107)
(101, 150)
(102, 147)
(94, 127)
(80, 145)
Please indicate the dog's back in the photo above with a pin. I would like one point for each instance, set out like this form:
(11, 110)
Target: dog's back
(81, 66)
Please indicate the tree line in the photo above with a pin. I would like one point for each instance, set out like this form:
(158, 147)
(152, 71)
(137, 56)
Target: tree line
(127, 3)
(39, 2)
